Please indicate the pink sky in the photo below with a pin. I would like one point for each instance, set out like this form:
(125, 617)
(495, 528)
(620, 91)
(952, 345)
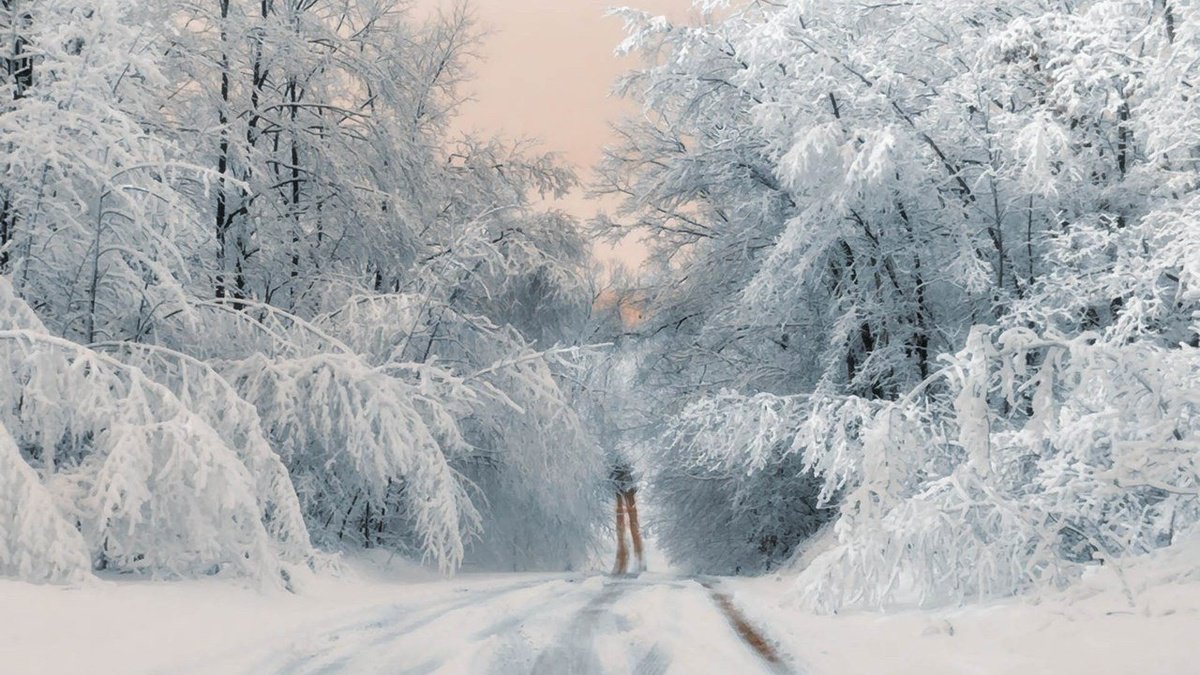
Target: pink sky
(545, 72)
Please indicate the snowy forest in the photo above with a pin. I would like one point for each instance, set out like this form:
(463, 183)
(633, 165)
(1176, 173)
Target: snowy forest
(928, 270)
(923, 284)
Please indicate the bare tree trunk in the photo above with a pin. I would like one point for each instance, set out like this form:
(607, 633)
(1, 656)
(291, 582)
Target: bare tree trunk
(1163, 7)
(222, 217)
(18, 70)
(18, 65)
(293, 94)
(94, 288)
(8, 231)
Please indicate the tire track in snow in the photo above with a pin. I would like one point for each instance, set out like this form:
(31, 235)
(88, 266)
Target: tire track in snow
(500, 645)
(643, 626)
(580, 626)
(573, 652)
(765, 648)
(347, 640)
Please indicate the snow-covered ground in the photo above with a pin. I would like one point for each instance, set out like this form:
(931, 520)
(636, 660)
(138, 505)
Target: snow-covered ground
(370, 622)
(1137, 616)
(1091, 630)
(406, 620)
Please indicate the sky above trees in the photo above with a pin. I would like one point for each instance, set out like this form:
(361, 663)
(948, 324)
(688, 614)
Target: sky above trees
(545, 71)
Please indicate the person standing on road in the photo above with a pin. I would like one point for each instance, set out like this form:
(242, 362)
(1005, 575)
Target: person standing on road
(627, 515)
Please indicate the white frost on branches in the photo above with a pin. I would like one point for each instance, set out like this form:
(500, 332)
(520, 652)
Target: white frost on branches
(36, 542)
(149, 484)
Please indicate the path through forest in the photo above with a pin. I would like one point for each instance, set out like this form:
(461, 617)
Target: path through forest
(558, 624)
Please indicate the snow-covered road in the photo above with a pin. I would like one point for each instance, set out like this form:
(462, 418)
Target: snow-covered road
(652, 624)
(380, 617)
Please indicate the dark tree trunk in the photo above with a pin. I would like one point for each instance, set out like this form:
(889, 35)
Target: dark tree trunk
(222, 215)
(18, 73)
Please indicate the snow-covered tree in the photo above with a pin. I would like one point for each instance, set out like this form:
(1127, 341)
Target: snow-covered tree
(288, 304)
(95, 229)
(142, 481)
(841, 196)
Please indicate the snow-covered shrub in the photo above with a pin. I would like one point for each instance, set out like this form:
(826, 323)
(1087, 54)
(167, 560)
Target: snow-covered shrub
(527, 463)
(363, 449)
(732, 482)
(204, 391)
(535, 466)
(37, 543)
(1051, 454)
(149, 484)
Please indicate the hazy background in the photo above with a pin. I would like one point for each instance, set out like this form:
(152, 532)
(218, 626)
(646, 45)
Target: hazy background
(545, 71)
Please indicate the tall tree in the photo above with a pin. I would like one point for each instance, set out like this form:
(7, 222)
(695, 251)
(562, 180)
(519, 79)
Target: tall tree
(841, 196)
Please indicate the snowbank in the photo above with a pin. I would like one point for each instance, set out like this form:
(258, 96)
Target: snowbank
(1144, 618)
